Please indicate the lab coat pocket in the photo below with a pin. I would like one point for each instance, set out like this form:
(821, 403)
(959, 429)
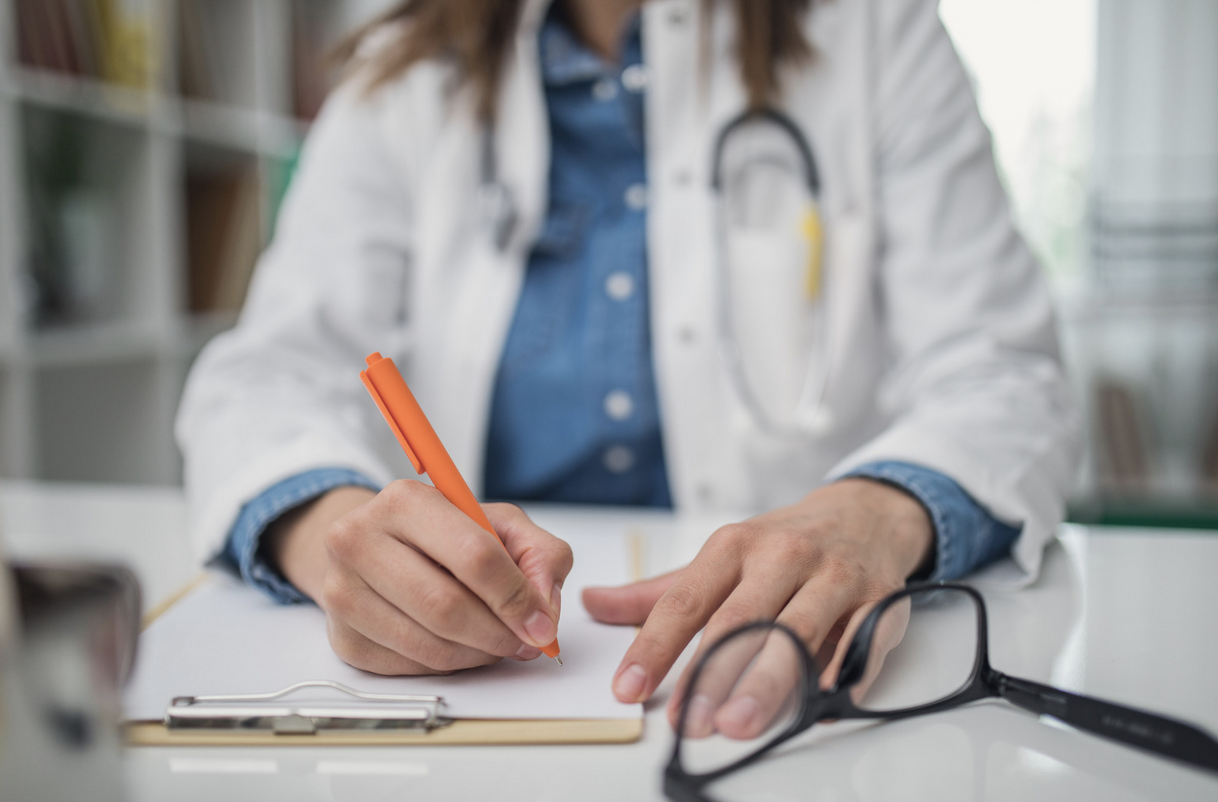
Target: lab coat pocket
(771, 322)
(820, 351)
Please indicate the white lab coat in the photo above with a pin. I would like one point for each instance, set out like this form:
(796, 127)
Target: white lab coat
(938, 340)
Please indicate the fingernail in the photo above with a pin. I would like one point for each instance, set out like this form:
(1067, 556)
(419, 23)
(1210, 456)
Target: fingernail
(698, 718)
(527, 652)
(556, 597)
(738, 717)
(628, 687)
(540, 628)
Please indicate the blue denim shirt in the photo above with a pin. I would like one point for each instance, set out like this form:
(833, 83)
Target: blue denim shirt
(574, 415)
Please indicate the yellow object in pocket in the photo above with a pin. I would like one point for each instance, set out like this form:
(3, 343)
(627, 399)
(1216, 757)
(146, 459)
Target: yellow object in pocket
(815, 235)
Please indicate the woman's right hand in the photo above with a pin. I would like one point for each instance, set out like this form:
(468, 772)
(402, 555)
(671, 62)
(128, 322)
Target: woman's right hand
(411, 585)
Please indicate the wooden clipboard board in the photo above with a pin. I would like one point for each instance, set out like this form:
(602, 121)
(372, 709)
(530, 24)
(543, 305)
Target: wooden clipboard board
(460, 731)
(472, 732)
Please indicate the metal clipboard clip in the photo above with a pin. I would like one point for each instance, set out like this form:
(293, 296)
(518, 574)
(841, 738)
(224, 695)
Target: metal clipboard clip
(251, 712)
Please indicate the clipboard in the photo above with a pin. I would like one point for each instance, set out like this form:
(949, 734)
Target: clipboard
(359, 718)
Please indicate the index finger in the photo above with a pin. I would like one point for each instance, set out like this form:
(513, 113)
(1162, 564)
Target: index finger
(544, 559)
(479, 561)
(684, 609)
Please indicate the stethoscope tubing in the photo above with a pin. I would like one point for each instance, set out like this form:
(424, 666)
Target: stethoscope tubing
(787, 125)
(811, 415)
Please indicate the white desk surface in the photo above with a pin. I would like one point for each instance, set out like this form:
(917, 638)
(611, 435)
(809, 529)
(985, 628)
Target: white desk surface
(1123, 614)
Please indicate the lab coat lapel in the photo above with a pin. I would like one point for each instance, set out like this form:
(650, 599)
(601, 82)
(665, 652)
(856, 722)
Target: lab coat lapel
(485, 297)
(686, 97)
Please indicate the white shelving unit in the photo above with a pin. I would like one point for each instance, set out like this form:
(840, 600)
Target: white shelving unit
(90, 378)
(1145, 339)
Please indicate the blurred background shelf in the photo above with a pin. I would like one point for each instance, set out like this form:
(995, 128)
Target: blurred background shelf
(145, 146)
(41, 88)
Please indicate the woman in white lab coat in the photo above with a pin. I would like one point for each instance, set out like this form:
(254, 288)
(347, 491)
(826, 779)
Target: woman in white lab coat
(836, 382)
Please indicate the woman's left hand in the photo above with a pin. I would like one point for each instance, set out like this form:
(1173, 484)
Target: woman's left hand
(817, 566)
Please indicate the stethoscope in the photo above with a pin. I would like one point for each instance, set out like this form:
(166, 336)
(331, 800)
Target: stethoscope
(811, 415)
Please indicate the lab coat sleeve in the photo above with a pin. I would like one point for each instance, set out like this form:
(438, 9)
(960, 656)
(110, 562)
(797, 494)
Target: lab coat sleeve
(280, 393)
(976, 388)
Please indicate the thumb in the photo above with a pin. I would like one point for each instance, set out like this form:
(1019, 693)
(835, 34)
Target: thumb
(543, 559)
(628, 604)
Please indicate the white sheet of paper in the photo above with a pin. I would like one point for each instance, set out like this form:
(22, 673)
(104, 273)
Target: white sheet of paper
(227, 638)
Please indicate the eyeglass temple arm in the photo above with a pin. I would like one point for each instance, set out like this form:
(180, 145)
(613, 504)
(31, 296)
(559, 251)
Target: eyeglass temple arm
(1166, 736)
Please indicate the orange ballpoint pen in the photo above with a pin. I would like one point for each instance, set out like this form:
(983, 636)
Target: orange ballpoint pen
(427, 454)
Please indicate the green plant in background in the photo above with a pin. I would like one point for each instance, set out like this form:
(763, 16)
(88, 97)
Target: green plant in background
(74, 168)
(56, 154)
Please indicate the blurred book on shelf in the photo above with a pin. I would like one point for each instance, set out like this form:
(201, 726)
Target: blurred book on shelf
(1209, 456)
(1137, 481)
(107, 40)
(197, 53)
(223, 236)
(1124, 466)
(314, 37)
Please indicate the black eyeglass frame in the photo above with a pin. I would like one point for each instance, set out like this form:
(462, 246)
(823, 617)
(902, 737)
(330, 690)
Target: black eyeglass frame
(1168, 737)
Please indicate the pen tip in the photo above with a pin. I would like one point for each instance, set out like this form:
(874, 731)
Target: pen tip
(558, 659)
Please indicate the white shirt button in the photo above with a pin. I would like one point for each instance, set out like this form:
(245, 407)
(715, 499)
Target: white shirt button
(619, 405)
(636, 197)
(604, 90)
(634, 78)
(618, 459)
(619, 285)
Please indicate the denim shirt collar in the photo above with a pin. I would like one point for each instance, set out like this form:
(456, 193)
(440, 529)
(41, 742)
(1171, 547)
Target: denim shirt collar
(567, 60)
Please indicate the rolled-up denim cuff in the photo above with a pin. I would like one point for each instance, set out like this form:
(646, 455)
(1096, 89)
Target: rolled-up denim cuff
(242, 550)
(967, 536)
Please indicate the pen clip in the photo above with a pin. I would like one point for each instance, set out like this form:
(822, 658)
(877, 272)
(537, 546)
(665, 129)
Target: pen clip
(393, 425)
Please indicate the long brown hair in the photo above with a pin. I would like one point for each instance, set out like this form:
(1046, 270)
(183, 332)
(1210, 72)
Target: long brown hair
(478, 36)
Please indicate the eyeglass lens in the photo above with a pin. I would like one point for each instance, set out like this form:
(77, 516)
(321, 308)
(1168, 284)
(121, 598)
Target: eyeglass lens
(926, 646)
(748, 691)
(752, 686)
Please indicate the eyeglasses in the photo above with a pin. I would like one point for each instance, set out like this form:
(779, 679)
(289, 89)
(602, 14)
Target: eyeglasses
(758, 687)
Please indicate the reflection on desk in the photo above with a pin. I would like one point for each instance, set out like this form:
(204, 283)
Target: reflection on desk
(1122, 614)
